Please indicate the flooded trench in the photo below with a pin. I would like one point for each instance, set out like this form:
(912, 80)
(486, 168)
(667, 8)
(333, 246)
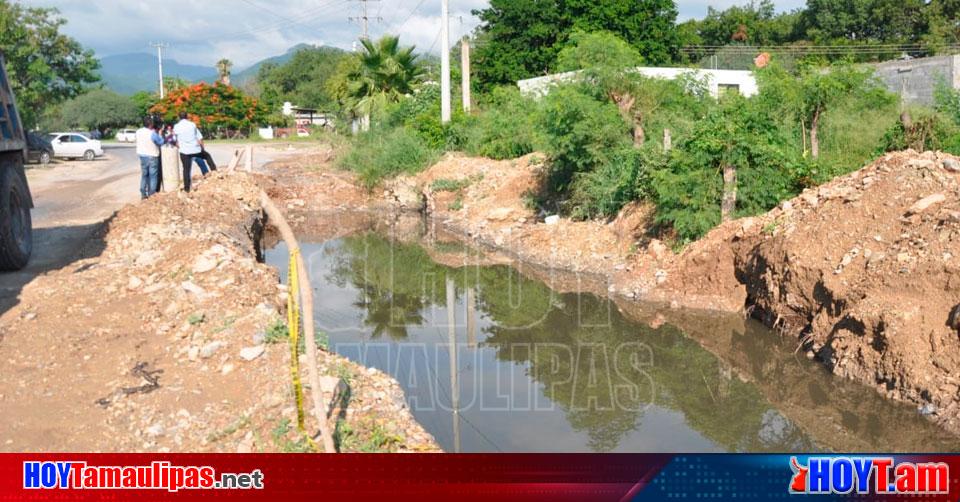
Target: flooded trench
(493, 359)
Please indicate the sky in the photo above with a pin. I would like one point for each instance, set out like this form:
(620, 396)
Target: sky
(246, 31)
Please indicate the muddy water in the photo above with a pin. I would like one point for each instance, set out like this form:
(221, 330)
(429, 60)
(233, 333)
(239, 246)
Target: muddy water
(492, 359)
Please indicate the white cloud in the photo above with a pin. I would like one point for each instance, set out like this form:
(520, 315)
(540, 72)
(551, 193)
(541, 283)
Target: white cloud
(245, 31)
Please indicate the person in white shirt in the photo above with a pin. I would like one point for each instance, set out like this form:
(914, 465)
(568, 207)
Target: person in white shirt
(148, 149)
(190, 142)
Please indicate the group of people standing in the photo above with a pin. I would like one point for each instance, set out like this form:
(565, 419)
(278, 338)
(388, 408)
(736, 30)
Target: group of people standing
(184, 135)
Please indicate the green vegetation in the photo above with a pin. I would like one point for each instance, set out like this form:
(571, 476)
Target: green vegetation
(371, 437)
(381, 153)
(277, 332)
(45, 66)
(99, 109)
(303, 80)
(450, 185)
(602, 131)
(521, 38)
(601, 134)
(280, 435)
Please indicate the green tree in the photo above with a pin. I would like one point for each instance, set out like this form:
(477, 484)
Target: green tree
(600, 49)
(813, 90)
(865, 21)
(385, 72)
(521, 38)
(99, 109)
(144, 101)
(45, 66)
(608, 62)
(303, 80)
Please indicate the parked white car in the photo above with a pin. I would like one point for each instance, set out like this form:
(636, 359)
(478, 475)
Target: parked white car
(127, 135)
(72, 145)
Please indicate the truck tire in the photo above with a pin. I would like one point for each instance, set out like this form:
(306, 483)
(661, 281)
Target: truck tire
(16, 237)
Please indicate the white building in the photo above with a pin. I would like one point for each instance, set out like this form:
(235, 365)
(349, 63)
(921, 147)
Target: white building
(718, 81)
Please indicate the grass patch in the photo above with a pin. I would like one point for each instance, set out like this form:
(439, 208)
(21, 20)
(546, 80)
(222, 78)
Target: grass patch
(280, 435)
(240, 423)
(452, 185)
(278, 332)
(379, 154)
(457, 204)
(371, 439)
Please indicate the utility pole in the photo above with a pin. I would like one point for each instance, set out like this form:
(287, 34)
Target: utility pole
(465, 73)
(160, 47)
(364, 19)
(445, 61)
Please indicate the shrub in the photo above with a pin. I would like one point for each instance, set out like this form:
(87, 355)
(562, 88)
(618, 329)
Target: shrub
(930, 131)
(739, 133)
(505, 129)
(420, 112)
(381, 153)
(580, 133)
(626, 177)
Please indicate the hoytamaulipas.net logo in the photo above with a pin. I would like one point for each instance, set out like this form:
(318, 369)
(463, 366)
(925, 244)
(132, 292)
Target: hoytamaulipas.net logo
(158, 475)
(868, 475)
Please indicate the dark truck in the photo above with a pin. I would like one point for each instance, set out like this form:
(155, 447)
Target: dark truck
(16, 239)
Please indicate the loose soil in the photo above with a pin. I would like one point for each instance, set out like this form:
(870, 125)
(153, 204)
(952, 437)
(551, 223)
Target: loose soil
(138, 345)
(161, 341)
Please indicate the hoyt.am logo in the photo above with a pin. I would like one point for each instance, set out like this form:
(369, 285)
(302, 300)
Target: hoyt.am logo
(862, 475)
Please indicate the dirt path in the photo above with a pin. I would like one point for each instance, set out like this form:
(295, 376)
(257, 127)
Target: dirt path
(72, 199)
(145, 328)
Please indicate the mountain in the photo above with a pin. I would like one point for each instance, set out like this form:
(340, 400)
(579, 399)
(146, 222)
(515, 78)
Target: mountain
(242, 77)
(129, 73)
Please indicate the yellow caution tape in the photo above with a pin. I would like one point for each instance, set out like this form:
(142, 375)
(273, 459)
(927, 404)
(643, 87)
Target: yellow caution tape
(293, 325)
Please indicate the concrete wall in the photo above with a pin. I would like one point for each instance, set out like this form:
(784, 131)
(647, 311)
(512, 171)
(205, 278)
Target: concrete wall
(916, 79)
(715, 78)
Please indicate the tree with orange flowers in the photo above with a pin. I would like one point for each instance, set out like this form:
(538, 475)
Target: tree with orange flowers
(216, 108)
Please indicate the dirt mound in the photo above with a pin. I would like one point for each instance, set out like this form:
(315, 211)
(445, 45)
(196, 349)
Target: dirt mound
(488, 201)
(166, 340)
(866, 269)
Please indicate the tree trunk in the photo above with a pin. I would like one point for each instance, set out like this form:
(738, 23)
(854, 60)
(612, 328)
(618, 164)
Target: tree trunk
(639, 136)
(906, 120)
(814, 129)
(729, 202)
(803, 134)
(625, 102)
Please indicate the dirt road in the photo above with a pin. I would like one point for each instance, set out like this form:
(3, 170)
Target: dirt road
(72, 199)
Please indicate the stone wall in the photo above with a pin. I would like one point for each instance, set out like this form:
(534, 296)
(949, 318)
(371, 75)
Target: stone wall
(916, 79)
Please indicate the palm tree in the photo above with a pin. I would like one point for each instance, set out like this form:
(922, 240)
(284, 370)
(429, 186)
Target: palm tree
(223, 70)
(385, 73)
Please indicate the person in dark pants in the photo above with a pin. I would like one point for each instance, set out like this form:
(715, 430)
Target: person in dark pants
(207, 158)
(190, 142)
(148, 149)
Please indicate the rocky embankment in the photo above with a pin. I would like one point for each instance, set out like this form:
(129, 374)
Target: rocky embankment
(166, 336)
(866, 271)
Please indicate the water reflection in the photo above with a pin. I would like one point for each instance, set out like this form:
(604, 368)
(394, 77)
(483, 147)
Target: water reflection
(494, 361)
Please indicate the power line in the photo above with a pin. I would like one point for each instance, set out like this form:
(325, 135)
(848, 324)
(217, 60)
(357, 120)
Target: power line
(408, 18)
(364, 18)
(308, 15)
